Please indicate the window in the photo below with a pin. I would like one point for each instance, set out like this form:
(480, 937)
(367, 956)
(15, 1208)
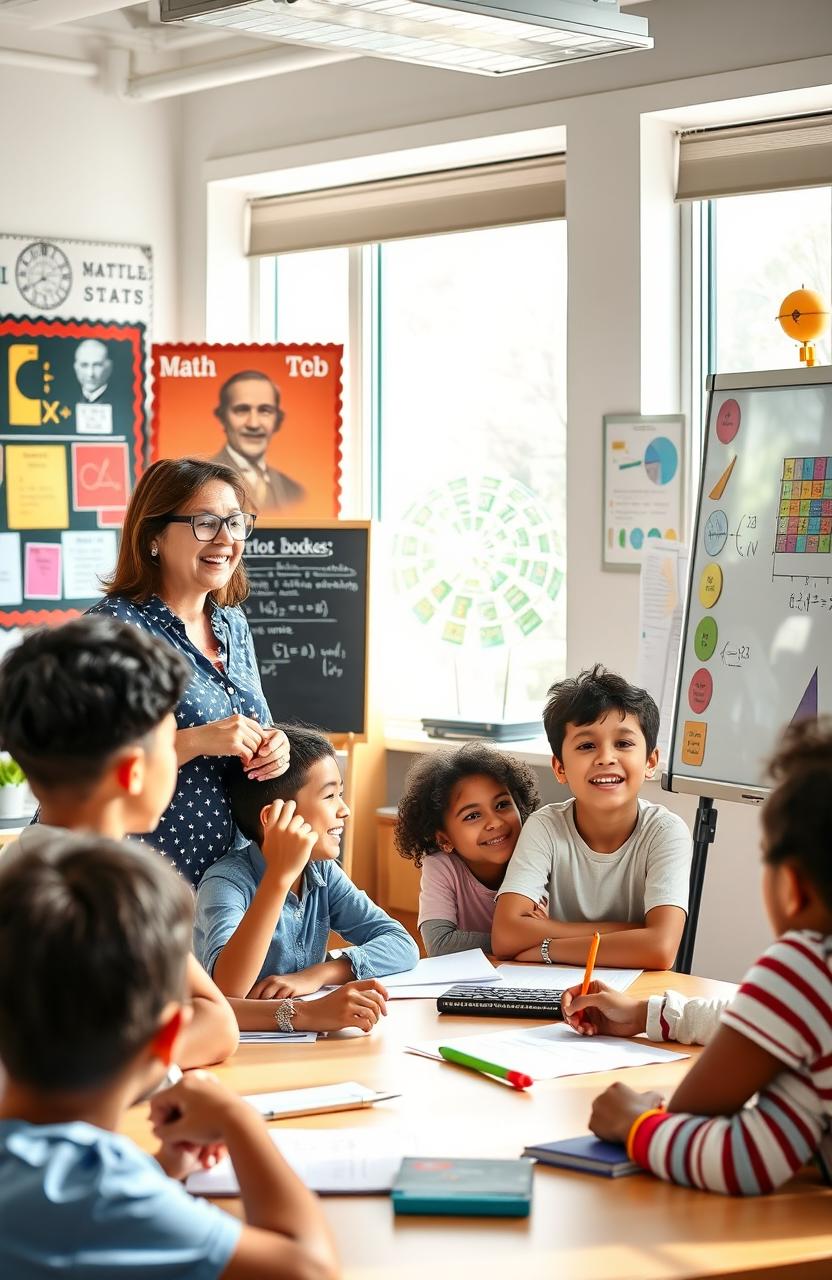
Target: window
(761, 248)
(464, 339)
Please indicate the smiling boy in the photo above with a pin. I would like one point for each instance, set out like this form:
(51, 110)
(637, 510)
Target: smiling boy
(609, 860)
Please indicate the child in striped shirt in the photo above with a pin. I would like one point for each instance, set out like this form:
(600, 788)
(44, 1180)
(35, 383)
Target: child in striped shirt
(772, 1040)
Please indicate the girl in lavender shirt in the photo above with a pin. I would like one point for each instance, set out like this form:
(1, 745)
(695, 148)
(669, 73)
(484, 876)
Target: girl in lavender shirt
(459, 820)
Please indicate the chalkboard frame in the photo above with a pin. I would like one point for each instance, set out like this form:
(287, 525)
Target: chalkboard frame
(716, 385)
(342, 739)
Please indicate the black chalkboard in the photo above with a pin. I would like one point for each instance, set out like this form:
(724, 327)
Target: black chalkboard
(308, 616)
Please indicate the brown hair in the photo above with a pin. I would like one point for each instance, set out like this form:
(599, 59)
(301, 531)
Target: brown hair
(798, 813)
(163, 488)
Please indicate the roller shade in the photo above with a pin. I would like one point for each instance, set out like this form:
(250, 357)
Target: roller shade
(773, 155)
(529, 190)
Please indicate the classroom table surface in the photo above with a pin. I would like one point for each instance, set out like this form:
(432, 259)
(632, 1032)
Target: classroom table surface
(581, 1227)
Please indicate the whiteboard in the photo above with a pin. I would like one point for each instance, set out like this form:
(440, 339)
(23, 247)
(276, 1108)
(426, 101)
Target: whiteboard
(756, 647)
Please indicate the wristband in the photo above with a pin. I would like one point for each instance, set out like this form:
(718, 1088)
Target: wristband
(284, 1016)
(636, 1125)
(544, 951)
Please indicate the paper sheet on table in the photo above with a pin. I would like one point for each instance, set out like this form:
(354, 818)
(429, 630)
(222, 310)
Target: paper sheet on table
(334, 1161)
(278, 1037)
(663, 581)
(557, 977)
(461, 966)
(547, 1052)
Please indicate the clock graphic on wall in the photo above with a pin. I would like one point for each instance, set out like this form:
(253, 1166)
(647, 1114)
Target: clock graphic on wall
(43, 275)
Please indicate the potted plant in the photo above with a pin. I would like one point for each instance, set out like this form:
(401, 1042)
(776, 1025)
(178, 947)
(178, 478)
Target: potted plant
(12, 789)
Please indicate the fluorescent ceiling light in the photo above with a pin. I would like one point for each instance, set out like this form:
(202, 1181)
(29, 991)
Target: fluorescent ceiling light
(499, 37)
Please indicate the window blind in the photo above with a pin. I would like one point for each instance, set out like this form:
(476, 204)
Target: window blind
(773, 155)
(528, 190)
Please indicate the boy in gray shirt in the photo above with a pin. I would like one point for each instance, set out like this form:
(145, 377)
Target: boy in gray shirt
(607, 859)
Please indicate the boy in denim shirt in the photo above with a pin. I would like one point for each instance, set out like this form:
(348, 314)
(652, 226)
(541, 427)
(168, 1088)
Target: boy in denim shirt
(264, 914)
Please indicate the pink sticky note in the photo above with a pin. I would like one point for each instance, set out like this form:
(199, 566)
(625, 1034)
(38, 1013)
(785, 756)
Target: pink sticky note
(42, 576)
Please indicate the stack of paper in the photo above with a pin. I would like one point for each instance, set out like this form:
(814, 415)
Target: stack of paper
(316, 1101)
(433, 977)
(278, 1037)
(547, 1052)
(557, 977)
(332, 1161)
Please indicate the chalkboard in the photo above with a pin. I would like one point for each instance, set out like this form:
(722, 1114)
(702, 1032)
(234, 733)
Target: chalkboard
(756, 647)
(308, 612)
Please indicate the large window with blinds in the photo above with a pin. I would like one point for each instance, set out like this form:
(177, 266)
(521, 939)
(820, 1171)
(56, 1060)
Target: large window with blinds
(455, 410)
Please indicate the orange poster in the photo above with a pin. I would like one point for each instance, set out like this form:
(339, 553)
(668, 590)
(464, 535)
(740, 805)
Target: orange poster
(273, 413)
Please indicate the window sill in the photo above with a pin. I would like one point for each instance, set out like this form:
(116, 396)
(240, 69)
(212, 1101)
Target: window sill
(408, 737)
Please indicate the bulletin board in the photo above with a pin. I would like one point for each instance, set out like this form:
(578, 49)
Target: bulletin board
(70, 456)
(757, 633)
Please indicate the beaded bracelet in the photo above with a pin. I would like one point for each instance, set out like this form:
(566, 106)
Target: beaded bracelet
(636, 1125)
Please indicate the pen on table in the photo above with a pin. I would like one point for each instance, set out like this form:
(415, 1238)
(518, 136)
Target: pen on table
(516, 1078)
(350, 1104)
(590, 961)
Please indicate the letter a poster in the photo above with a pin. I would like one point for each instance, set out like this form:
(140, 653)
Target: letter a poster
(270, 413)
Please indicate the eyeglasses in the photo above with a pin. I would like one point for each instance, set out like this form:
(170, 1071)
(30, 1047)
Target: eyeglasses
(206, 526)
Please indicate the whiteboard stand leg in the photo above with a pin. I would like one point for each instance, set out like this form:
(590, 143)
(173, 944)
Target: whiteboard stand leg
(704, 831)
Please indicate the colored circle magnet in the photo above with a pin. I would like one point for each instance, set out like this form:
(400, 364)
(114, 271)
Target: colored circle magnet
(705, 638)
(728, 421)
(710, 585)
(700, 690)
(715, 534)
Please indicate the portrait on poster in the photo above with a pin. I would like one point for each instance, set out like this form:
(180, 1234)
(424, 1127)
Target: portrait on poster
(271, 413)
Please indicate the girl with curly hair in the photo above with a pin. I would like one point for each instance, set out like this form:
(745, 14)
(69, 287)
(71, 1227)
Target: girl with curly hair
(459, 820)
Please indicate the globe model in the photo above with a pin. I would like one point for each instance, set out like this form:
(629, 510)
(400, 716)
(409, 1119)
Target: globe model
(804, 314)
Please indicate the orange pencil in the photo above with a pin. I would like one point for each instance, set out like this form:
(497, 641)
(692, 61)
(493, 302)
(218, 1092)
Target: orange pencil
(590, 961)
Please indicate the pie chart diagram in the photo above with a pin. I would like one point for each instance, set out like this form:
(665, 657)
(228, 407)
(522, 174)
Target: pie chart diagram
(661, 460)
(716, 532)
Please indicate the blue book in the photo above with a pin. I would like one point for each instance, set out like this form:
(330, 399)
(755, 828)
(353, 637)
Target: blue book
(485, 1188)
(587, 1155)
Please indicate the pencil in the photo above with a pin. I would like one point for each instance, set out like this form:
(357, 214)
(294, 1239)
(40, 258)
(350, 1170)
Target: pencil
(590, 961)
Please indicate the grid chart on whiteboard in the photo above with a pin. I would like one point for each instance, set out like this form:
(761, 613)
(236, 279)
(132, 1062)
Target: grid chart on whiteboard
(804, 524)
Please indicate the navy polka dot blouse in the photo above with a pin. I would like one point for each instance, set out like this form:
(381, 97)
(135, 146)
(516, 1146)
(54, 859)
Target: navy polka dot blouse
(197, 828)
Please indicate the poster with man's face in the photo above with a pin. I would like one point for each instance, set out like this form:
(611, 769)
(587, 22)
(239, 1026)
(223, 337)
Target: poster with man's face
(272, 413)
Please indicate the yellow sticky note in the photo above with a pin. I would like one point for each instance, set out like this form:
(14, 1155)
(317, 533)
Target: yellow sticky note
(693, 741)
(710, 585)
(37, 493)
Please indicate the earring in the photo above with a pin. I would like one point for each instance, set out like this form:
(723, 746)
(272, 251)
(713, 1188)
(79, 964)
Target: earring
(154, 550)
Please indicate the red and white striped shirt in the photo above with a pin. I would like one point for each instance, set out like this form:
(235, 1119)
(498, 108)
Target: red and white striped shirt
(785, 1006)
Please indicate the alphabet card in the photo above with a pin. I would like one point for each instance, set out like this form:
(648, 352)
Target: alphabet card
(73, 441)
(270, 413)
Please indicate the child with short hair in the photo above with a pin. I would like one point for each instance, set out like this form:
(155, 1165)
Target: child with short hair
(459, 820)
(88, 1025)
(87, 710)
(264, 913)
(611, 861)
(773, 1039)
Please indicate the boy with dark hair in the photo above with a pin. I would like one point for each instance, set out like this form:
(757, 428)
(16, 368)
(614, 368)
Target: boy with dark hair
(609, 860)
(113, 927)
(773, 1039)
(87, 711)
(264, 914)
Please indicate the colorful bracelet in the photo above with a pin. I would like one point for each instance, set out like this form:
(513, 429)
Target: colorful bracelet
(636, 1125)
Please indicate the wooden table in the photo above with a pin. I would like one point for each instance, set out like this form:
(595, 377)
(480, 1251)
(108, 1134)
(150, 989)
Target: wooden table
(581, 1227)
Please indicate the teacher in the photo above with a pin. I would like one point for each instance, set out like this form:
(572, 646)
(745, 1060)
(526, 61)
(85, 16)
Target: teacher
(180, 576)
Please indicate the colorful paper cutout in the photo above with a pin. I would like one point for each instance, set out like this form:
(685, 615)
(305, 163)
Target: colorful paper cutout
(36, 489)
(693, 742)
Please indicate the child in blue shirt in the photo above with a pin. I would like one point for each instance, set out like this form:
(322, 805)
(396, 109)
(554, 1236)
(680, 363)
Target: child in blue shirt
(264, 914)
(90, 1024)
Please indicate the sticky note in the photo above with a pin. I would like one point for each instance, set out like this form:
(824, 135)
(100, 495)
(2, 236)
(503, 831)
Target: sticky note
(36, 486)
(100, 476)
(42, 571)
(693, 741)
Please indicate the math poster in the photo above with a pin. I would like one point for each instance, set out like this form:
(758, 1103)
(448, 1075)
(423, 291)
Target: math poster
(73, 439)
(271, 413)
(643, 490)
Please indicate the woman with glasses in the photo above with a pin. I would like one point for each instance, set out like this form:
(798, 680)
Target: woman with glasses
(180, 576)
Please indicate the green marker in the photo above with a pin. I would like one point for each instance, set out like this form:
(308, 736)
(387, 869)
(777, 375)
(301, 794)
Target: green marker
(516, 1078)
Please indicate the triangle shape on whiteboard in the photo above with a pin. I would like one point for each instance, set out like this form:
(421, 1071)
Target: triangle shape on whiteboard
(808, 706)
(721, 484)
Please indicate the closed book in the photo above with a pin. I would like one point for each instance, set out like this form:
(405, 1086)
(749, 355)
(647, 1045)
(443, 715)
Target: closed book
(587, 1155)
(485, 1188)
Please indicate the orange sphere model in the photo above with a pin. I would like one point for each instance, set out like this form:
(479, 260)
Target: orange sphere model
(803, 315)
